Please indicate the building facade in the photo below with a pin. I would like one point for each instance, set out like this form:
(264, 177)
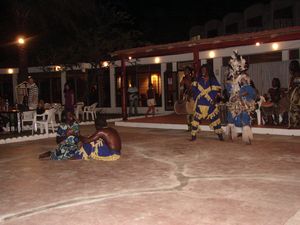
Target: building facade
(267, 52)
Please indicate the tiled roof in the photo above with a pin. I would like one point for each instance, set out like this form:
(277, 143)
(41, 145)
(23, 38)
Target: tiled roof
(283, 34)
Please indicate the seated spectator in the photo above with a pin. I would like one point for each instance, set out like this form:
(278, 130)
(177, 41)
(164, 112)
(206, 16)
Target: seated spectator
(67, 138)
(24, 106)
(41, 107)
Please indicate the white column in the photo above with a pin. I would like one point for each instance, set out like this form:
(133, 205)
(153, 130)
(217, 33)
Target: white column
(217, 68)
(163, 68)
(112, 82)
(174, 66)
(14, 84)
(285, 55)
(63, 80)
(203, 61)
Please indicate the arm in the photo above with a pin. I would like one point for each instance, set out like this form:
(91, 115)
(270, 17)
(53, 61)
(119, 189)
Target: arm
(96, 136)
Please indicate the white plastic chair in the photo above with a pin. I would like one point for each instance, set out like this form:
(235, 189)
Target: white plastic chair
(28, 116)
(258, 110)
(79, 109)
(48, 117)
(90, 110)
(58, 110)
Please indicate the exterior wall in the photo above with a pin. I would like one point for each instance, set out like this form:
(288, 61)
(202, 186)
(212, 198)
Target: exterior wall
(232, 19)
(204, 56)
(266, 11)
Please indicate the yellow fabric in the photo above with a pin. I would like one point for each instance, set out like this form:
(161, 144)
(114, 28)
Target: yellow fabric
(214, 113)
(215, 88)
(105, 158)
(95, 154)
(215, 123)
(84, 155)
(219, 131)
(204, 92)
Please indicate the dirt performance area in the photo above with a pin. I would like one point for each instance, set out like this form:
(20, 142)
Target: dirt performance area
(161, 178)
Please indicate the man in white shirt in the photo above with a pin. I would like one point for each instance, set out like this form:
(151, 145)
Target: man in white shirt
(33, 94)
(133, 99)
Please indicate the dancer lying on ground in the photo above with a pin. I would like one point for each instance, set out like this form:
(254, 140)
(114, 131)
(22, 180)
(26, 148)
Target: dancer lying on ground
(104, 144)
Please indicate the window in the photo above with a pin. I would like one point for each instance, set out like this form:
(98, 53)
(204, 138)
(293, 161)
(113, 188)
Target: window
(294, 54)
(232, 28)
(285, 13)
(142, 76)
(212, 33)
(255, 22)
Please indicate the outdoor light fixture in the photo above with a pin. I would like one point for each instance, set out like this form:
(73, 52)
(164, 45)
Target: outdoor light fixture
(10, 71)
(275, 46)
(212, 54)
(105, 64)
(57, 68)
(157, 60)
(257, 44)
(21, 41)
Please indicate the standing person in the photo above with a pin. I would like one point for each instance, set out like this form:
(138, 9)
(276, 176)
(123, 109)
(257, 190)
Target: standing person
(133, 99)
(186, 92)
(275, 95)
(93, 96)
(33, 94)
(41, 107)
(206, 90)
(294, 68)
(294, 94)
(69, 97)
(151, 100)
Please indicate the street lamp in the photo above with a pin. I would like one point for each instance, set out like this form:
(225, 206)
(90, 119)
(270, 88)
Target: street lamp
(21, 41)
(23, 70)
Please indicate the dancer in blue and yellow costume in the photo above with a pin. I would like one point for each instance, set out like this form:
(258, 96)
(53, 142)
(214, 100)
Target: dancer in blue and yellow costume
(206, 90)
(104, 144)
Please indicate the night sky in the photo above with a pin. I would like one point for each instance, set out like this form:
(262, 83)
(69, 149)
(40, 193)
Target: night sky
(160, 21)
(164, 21)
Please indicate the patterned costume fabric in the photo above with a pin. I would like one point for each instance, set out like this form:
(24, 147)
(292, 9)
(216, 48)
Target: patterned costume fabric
(242, 95)
(294, 111)
(242, 98)
(205, 93)
(239, 110)
(68, 147)
(97, 150)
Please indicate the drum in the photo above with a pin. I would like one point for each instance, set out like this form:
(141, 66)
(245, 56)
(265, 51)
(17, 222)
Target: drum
(267, 108)
(183, 107)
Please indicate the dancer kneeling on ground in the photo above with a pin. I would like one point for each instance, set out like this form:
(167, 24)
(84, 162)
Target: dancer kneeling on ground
(104, 144)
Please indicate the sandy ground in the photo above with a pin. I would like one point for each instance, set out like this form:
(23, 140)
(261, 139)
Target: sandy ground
(161, 178)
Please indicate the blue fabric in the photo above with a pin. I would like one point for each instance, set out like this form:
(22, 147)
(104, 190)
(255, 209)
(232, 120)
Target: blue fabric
(240, 120)
(68, 147)
(102, 151)
(251, 94)
(212, 93)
